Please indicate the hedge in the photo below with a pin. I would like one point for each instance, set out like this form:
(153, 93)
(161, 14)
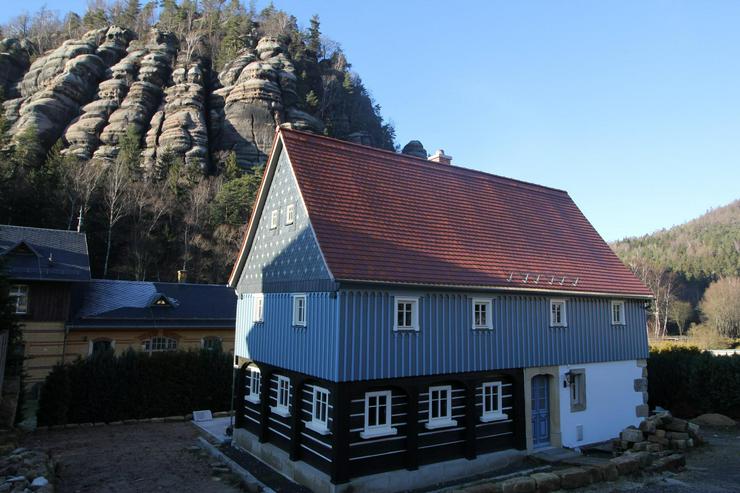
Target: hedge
(690, 382)
(135, 385)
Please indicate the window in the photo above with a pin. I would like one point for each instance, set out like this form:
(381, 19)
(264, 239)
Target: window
(101, 345)
(557, 313)
(19, 298)
(320, 411)
(283, 397)
(254, 380)
(299, 310)
(159, 344)
(492, 396)
(274, 218)
(440, 407)
(407, 314)
(577, 381)
(618, 313)
(259, 308)
(211, 343)
(482, 314)
(290, 214)
(378, 416)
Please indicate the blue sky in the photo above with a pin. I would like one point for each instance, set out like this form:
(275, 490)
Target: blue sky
(631, 106)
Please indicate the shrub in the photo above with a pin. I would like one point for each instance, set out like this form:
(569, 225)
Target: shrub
(135, 385)
(690, 382)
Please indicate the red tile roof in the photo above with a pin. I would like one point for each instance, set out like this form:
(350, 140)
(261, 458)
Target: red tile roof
(386, 217)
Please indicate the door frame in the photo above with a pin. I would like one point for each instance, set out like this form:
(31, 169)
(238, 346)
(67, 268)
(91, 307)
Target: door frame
(552, 373)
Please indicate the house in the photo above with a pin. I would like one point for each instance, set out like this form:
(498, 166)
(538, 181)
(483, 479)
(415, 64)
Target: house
(65, 314)
(399, 314)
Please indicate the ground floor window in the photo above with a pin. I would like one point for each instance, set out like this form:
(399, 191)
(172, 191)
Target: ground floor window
(440, 407)
(159, 344)
(492, 401)
(378, 415)
(577, 382)
(320, 411)
(101, 346)
(211, 343)
(283, 396)
(19, 298)
(254, 380)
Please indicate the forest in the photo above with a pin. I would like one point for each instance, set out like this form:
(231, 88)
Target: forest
(149, 208)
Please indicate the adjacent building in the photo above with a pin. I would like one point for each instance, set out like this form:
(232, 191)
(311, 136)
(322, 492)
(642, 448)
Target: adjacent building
(396, 313)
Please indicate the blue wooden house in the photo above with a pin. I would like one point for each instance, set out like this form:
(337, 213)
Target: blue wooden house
(402, 314)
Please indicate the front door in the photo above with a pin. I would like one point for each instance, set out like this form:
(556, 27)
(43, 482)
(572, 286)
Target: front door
(540, 411)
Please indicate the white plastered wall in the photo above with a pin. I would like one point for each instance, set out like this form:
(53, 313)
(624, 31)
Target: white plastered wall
(611, 402)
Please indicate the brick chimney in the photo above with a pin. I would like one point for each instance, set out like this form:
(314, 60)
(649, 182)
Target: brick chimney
(182, 276)
(440, 157)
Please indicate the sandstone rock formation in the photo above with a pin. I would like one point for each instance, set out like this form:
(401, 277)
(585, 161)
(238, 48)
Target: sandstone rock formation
(415, 148)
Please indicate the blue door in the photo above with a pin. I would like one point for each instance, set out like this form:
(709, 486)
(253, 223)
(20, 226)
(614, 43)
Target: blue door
(540, 411)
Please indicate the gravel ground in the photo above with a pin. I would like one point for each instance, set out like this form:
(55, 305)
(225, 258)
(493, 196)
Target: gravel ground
(130, 459)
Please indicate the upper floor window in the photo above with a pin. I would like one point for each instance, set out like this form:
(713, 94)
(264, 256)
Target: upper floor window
(159, 344)
(211, 343)
(618, 313)
(492, 397)
(254, 381)
(557, 313)
(577, 382)
(274, 218)
(482, 311)
(440, 407)
(407, 313)
(320, 411)
(290, 214)
(283, 396)
(378, 414)
(101, 345)
(19, 298)
(259, 308)
(299, 309)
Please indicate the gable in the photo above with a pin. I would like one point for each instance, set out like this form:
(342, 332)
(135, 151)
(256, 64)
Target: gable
(286, 258)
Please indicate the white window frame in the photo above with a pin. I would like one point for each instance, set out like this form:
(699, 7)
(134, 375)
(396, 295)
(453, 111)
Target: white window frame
(441, 421)
(620, 304)
(164, 339)
(299, 321)
(274, 219)
(214, 338)
(414, 301)
(497, 414)
(563, 312)
(255, 384)
(282, 408)
(258, 308)
(290, 214)
(317, 424)
(100, 339)
(577, 390)
(488, 304)
(19, 294)
(376, 430)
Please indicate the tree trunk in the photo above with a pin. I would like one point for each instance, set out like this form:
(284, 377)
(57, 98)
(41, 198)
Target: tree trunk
(107, 251)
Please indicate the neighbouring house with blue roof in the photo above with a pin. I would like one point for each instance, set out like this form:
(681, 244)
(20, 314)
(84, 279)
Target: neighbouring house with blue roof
(65, 314)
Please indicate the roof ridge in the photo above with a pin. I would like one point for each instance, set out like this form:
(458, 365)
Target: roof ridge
(43, 229)
(429, 164)
(133, 281)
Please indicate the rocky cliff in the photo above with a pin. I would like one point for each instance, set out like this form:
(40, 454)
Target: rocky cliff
(88, 92)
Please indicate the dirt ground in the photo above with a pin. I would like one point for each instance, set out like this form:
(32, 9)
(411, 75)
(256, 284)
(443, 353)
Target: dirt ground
(129, 459)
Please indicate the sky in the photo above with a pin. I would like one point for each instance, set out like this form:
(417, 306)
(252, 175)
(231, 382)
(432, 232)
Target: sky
(633, 107)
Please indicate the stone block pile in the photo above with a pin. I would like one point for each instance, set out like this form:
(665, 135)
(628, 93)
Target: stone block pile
(659, 432)
(25, 471)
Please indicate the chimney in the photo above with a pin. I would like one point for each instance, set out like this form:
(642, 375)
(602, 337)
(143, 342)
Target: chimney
(440, 157)
(182, 276)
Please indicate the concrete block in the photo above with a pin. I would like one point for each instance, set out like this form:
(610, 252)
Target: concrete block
(574, 477)
(626, 464)
(609, 471)
(642, 411)
(518, 485)
(546, 481)
(632, 435)
(648, 426)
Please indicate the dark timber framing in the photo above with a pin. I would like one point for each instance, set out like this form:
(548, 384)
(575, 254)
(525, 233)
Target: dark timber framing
(343, 454)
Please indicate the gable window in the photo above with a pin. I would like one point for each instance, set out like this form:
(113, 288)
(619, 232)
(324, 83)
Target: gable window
(482, 312)
(101, 345)
(211, 343)
(283, 396)
(577, 382)
(259, 308)
(320, 411)
(299, 310)
(378, 414)
(557, 313)
(618, 313)
(492, 397)
(274, 218)
(407, 314)
(290, 214)
(440, 407)
(19, 298)
(254, 379)
(160, 344)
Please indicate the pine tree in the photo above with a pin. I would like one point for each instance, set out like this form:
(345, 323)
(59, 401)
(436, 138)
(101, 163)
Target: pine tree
(314, 37)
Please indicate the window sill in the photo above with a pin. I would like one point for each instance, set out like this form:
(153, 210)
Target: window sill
(494, 417)
(379, 432)
(619, 324)
(299, 326)
(433, 425)
(252, 399)
(280, 411)
(577, 408)
(483, 328)
(318, 427)
(560, 326)
(405, 329)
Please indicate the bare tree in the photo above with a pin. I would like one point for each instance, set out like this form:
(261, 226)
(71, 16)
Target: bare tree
(149, 205)
(81, 179)
(721, 306)
(117, 182)
(663, 285)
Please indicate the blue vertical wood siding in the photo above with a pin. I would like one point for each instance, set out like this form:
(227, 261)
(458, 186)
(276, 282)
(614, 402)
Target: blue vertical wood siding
(446, 343)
